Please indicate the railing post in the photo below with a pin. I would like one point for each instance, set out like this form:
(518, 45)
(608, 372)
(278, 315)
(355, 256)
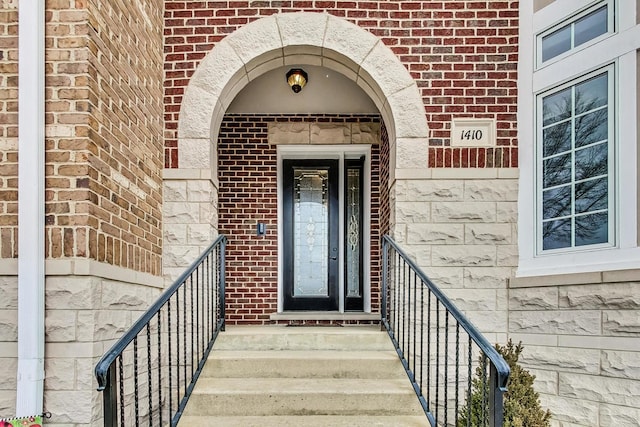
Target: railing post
(385, 280)
(221, 285)
(496, 410)
(109, 396)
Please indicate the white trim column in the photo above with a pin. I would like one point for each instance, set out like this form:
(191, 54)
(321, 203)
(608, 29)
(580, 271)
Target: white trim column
(31, 272)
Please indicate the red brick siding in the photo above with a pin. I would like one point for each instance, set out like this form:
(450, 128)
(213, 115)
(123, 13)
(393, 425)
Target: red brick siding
(247, 195)
(462, 54)
(9, 130)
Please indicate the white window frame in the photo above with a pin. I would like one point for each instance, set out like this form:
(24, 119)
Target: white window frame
(619, 48)
(611, 163)
(590, 7)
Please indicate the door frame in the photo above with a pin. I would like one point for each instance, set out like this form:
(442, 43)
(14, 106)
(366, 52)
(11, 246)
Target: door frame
(340, 153)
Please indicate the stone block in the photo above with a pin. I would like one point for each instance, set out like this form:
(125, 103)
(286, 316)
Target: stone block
(60, 325)
(72, 292)
(545, 381)
(420, 254)
(429, 190)
(118, 296)
(489, 321)
(621, 364)
(343, 36)
(445, 277)
(463, 212)
(483, 234)
(85, 379)
(8, 292)
(570, 412)
(72, 407)
(194, 153)
(59, 374)
(486, 277)
(365, 133)
(282, 133)
(621, 322)
(181, 213)
(508, 255)
(561, 359)
(600, 389)
(412, 153)
(507, 212)
(175, 233)
(174, 191)
(253, 40)
(7, 403)
(606, 296)
(330, 133)
(407, 108)
(464, 256)
(412, 212)
(8, 380)
(476, 300)
(583, 322)
(199, 234)
(305, 28)
(491, 190)
(200, 190)
(111, 324)
(8, 325)
(533, 298)
(435, 234)
(618, 416)
(195, 110)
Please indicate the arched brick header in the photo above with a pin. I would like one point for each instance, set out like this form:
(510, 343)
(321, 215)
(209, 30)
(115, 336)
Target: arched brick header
(304, 38)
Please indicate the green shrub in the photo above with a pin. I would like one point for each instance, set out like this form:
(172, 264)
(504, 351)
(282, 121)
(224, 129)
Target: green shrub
(521, 402)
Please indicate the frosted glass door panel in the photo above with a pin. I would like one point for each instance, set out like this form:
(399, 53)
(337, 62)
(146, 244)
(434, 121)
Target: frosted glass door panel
(310, 232)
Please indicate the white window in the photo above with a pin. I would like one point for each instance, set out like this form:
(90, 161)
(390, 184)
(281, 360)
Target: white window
(575, 142)
(578, 31)
(578, 137)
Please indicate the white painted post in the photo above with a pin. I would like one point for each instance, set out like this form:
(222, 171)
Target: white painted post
(31, 98)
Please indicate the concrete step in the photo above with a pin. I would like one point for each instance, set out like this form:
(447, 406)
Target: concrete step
(303, 376)
(293, 396)
(308, 421)
(303, 364)
(347, 338)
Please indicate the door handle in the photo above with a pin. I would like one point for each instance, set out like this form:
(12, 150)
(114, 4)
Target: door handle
(335, 258)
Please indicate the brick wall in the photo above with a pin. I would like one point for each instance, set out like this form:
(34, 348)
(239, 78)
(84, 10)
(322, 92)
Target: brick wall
(8, 129)
(247, 195)
(462, 54)
(103, 132)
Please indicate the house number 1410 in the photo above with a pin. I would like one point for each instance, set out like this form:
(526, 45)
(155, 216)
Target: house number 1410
(470, 132)
(471, 135)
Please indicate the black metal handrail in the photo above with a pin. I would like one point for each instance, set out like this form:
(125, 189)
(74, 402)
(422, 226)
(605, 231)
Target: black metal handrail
(149, 373)
(426, 327)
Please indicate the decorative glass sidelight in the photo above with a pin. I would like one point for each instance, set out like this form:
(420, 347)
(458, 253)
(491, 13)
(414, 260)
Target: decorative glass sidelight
(353, 246)
(310, 232)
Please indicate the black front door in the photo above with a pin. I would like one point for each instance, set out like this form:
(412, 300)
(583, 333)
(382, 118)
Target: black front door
(311, 234)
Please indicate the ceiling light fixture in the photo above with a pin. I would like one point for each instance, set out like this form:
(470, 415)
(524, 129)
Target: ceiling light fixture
(297, 78)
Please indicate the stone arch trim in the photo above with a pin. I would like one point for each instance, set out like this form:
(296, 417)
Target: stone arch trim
(304, 38)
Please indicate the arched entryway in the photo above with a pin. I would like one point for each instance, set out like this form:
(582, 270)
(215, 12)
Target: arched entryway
(273, 42)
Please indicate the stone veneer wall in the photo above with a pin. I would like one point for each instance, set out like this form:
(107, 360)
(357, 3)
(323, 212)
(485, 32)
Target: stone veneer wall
(581, 334)
(103, 191)
(461, 229)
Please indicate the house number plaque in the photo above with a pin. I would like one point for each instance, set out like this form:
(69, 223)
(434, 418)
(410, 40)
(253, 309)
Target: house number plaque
(473, 133)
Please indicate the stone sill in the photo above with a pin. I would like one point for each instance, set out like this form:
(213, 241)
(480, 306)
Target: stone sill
(594, 278)
(323, 315)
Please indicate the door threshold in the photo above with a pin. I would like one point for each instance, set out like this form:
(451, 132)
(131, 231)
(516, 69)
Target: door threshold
(324, 315)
